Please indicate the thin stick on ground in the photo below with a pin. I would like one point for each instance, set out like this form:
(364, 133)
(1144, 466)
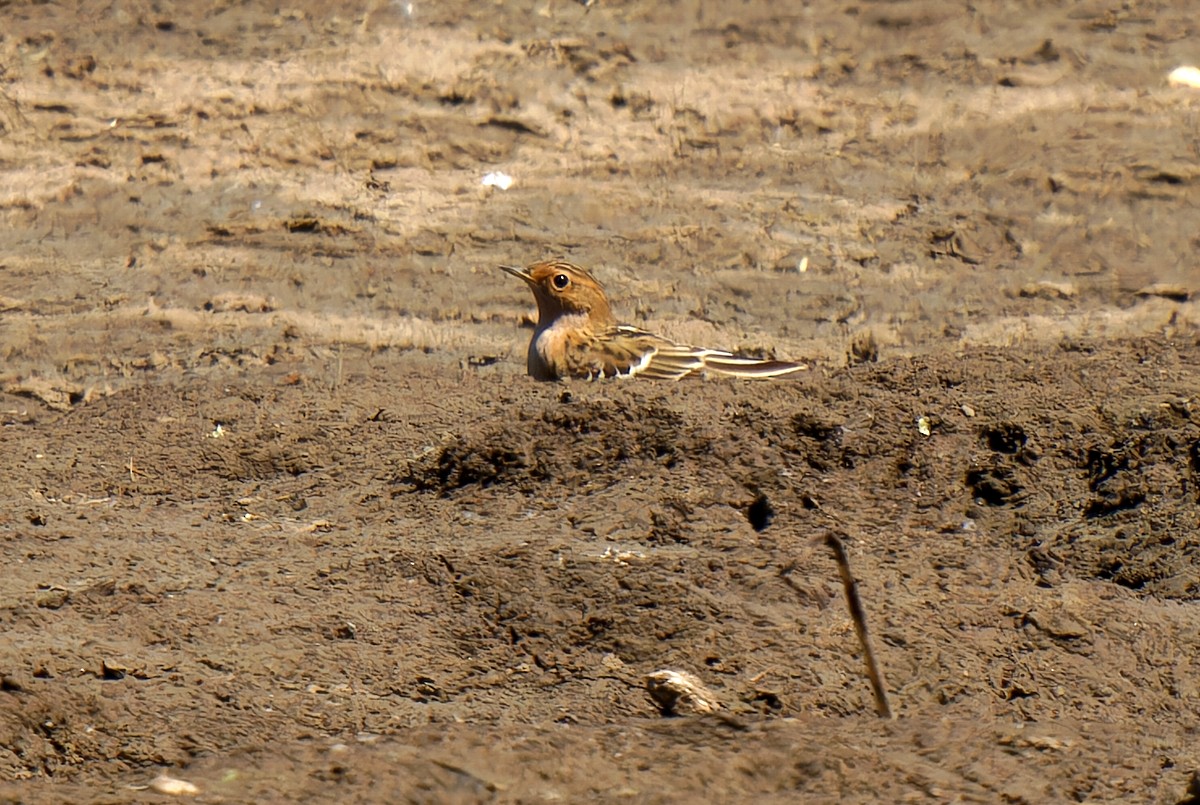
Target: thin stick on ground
(859, 615)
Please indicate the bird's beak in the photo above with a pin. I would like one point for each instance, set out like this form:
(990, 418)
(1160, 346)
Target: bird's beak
(519, 273)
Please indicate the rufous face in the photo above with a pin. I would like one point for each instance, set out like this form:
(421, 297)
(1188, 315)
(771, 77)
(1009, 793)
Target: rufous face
(562, 287)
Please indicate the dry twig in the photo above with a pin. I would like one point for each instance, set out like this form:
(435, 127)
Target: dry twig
(859, 615)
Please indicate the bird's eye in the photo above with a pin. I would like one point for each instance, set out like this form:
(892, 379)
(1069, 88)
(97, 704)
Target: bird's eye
(561, 281)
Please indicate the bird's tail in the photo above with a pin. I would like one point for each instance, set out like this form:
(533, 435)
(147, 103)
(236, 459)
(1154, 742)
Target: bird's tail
(750, 368)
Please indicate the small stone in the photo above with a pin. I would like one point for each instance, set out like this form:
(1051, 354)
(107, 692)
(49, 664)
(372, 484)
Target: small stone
(172, 786)
(674, 691)
(1186, 76)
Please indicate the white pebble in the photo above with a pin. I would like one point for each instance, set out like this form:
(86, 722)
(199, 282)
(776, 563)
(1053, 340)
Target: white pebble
(497, 179)
(1186, 76)
(164, 784)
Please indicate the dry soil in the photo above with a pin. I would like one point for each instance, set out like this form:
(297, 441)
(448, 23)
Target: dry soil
(283, 517)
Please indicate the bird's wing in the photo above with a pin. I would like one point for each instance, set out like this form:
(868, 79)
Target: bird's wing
(616, 352)
(625, 351)
(661, 358)
(672, 361)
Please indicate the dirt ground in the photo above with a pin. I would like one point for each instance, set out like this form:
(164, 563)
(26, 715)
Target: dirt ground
(284, 517)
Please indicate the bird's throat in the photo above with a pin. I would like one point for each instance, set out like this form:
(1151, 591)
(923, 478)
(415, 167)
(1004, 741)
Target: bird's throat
(551, 343)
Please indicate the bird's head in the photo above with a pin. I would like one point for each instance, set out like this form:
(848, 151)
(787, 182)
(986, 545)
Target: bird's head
(563, 288)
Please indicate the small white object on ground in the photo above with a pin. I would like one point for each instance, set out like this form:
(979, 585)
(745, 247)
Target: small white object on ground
(497, 179)
(1186, 76)
(165, 784)
(674, 691)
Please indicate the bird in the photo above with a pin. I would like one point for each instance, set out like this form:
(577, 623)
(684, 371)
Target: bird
(577, 336)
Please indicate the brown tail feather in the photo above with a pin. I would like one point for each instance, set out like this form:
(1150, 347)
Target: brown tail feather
(751, 368)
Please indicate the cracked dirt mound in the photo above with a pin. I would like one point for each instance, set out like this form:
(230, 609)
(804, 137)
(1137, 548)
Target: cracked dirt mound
(1093, 487)
(499, 570)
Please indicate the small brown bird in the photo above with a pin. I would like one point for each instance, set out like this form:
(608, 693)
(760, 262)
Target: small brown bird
(577, 336)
